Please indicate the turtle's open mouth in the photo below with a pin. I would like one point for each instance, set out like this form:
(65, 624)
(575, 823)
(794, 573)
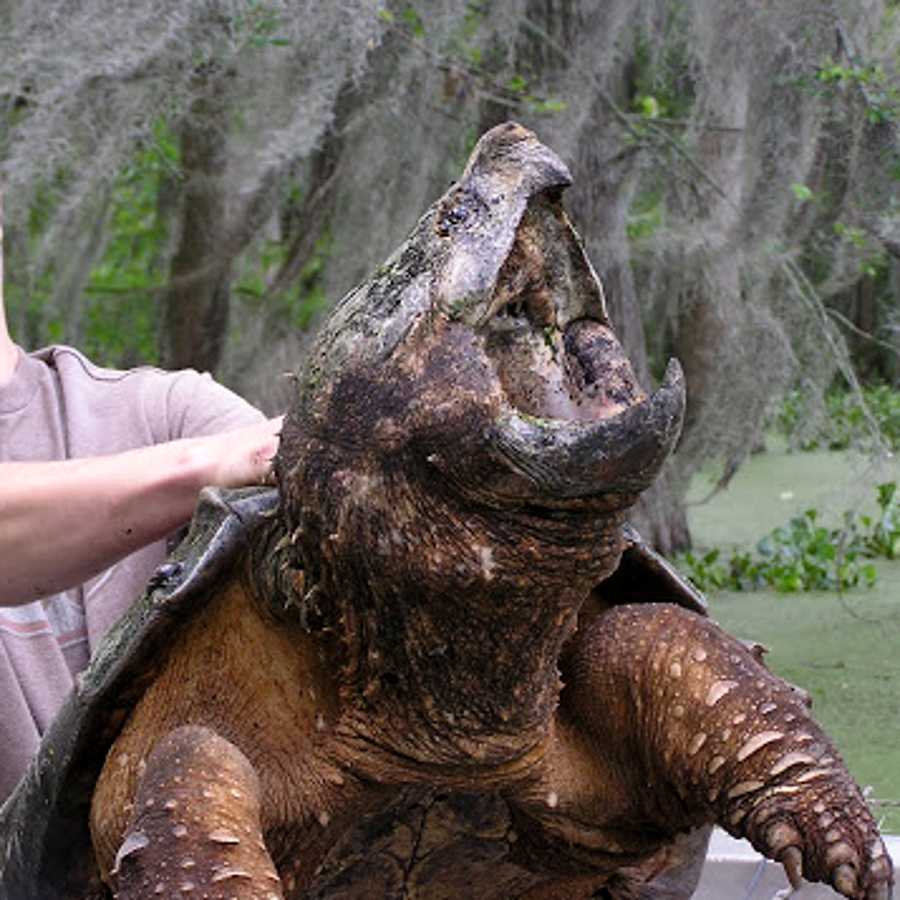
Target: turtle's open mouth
(576, 423)
(546, 326)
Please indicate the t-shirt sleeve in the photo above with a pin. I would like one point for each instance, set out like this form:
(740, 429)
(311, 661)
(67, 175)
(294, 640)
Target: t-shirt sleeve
(196, 405)
(111, 410)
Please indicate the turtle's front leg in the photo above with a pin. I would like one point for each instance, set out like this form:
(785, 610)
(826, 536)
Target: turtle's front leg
(195, 828)
(699, 731)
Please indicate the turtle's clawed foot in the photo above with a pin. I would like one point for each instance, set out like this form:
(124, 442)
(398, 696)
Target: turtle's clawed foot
(728, 733)
(834, 841)
(873, 884)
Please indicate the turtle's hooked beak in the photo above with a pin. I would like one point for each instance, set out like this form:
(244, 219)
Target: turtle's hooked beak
(580, 458)
(494, 288)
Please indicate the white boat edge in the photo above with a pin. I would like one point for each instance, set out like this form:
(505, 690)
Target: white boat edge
(735, 871)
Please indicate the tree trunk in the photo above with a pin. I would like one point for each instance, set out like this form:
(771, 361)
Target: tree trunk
(197, 297)
(601, 204)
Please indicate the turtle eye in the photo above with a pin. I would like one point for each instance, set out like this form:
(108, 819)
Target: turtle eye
(450, 219)
(456, 210)
(455, 216)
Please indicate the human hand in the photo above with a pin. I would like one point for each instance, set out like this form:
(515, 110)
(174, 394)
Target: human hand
(243, 457)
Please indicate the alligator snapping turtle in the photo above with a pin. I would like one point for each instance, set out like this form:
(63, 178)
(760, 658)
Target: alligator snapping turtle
(437, 664)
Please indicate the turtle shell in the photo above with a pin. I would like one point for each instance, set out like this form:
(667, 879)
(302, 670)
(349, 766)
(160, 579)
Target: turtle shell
(44, 834)
(643, 576)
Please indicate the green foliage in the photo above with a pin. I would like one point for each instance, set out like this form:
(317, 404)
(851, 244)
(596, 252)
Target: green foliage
(663, 84)
(646, 216)
(883, 532)
(806, 555)
(872, 258)
(410, 18)
(295, 307)
(123, 289)
(104, 296)
(847, 422)
(26, 292)
(877, 87)
(803, 193)
(647, 105)
(465, 58)
(260, 26)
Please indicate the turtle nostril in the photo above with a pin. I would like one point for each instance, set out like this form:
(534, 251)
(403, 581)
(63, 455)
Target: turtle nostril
(513, 310)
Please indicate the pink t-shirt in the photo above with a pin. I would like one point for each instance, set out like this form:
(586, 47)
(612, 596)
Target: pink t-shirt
(58, 405)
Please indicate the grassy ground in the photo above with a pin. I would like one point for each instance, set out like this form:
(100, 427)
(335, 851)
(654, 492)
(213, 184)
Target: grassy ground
(844, 649)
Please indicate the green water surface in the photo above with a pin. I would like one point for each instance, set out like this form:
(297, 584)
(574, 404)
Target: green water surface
(844, 649)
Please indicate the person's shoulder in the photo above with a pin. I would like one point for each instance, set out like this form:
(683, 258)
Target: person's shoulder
(199, 405)
(149, 383)
(176, 403)
(69, 361)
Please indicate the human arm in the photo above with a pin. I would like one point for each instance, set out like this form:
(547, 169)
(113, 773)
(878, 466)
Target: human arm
(63, 521)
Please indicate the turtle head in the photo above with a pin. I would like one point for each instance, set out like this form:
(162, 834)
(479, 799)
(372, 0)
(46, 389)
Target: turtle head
(461, 451)
(480, 358)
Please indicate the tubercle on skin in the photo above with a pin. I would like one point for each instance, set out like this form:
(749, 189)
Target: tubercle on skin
(753, 760)
(719, 739)
(216, 829)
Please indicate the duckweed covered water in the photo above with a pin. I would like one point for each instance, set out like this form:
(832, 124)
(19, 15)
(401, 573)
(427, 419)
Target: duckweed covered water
(843, 648)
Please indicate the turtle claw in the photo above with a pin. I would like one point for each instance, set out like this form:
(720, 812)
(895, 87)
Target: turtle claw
(879, 892)
(852, 873)
(844, 880)
(880, 881)
(792, 861)
(847, 880)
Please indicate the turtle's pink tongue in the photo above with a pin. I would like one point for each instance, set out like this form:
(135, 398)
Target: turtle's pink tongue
(602, 383)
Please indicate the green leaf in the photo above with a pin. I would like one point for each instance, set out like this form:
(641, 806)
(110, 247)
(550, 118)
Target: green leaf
(803, 193)
(649, 107)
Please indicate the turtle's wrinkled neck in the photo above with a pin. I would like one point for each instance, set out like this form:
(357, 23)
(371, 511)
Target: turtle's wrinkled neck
(478, 657)
(451, 619)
